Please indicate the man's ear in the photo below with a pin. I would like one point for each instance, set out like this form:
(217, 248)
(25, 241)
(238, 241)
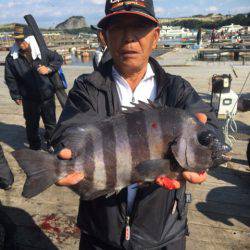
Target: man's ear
(103, 36)
(156, 37)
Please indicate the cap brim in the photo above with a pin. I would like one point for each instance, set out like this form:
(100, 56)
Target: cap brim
(102, 23)
(18, 36)
(94, 27)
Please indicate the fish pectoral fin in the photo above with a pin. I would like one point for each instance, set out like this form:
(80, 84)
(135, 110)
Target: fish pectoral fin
(179, 150)
(94, 194)
(149, 170)
(39, 168)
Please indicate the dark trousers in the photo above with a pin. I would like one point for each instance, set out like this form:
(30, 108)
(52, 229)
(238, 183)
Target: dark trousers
(89, 243)
(32, 112)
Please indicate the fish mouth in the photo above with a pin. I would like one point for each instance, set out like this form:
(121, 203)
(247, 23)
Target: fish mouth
(220, 151)
(220, 154)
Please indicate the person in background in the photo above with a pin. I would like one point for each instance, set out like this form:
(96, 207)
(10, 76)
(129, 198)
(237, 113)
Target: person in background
(27, 76)
(101, 54)
(138, 217)
(199, 37)
(213, 36)
(222, 37)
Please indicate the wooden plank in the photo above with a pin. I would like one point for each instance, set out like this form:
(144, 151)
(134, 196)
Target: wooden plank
(227, 195)
(215, 236)
(218, 221)
(204, 245)
(230, 210)
(211, 183)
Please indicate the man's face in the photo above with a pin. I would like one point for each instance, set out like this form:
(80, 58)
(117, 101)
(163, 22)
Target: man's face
(23, 45)
(130, 40)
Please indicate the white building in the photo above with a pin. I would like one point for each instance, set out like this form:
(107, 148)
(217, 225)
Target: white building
(176, 32)
(230, 28)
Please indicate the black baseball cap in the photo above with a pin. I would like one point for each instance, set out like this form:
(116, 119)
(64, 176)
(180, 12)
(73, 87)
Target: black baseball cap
(21, 31)
(144, 8)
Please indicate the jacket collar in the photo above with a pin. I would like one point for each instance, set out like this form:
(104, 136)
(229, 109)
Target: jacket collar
(102, 78)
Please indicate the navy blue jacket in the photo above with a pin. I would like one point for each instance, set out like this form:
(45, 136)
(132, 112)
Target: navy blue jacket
(152, 223)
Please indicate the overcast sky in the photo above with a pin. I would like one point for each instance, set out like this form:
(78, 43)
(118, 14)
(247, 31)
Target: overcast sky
(48, 13)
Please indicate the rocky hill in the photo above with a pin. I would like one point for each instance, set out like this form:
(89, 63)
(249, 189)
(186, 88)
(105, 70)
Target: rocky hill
(74, 22)
(204, 18)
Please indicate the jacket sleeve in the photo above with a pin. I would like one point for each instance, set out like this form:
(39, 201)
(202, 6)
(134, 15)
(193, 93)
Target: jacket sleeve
(188, 99)
(11, 80)
(79, 110)
(55, 60)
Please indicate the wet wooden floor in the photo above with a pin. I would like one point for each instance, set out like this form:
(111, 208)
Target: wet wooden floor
(219, 215)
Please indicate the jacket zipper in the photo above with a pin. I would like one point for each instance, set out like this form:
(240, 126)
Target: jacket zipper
(130, 216)
(127, 228)
(133, 97)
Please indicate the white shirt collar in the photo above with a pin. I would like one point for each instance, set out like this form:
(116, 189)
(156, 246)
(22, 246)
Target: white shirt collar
(145, 90)
(118, 78)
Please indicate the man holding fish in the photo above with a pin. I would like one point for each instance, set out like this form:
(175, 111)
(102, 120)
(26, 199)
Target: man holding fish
(168, 136)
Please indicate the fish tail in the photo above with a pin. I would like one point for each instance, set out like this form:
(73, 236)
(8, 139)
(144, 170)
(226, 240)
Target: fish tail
(40, 170)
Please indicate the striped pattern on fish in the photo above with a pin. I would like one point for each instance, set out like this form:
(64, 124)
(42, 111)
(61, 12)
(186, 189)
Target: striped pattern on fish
(121, 150)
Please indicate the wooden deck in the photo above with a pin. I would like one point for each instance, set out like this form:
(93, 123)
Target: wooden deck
(219, 215)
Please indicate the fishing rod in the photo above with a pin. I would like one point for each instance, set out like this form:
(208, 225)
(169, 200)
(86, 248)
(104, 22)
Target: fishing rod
(57, 80)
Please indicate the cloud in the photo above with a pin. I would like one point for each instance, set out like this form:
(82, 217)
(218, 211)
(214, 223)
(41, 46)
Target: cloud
(98, 1)
(159, 11)
(212, 9)
(51, 12)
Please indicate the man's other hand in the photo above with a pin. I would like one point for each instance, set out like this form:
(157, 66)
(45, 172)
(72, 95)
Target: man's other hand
(73, 178)
(19, 102)
(43, 70)
(192, 177)
(195, 178)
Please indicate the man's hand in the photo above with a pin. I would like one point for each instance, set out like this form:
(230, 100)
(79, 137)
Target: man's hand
(43, 70)
(71, 179)
(192, 177)
(19, 102)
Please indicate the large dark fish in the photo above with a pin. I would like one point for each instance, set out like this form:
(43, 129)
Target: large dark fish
(125, 149)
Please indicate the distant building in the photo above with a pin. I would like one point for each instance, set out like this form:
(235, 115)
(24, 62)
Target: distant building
(51, 34)
(230, 28)
(176, 32)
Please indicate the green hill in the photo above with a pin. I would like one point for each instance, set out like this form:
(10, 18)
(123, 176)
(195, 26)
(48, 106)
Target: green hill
(6, 27)
(209, 21)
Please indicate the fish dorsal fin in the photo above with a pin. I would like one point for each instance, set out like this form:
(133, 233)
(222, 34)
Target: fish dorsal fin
(140, 106)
